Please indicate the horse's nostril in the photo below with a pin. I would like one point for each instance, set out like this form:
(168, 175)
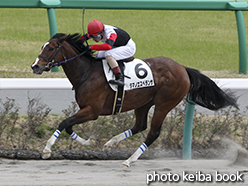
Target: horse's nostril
(34, 67)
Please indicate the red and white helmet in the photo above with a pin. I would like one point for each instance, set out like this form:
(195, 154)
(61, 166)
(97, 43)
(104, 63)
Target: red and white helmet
(95, 27)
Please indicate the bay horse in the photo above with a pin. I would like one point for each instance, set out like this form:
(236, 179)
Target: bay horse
(95, 97)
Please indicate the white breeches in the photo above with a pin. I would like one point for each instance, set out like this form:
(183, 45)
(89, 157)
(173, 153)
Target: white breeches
(119, 53)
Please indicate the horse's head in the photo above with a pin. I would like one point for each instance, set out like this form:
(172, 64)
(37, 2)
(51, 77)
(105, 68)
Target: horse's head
(49, 54)
(52, 53)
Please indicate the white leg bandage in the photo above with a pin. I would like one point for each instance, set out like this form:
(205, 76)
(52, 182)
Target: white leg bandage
(51, 141)
(135, 155)
(118, 138)
(123, 135)
(80, 140)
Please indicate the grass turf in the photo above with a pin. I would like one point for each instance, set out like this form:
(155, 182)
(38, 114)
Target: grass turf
(205, 40)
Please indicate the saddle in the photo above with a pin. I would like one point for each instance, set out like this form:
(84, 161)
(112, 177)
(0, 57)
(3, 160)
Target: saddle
(126, 60)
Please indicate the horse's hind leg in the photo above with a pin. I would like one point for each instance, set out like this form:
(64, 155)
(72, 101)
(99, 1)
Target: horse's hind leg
(157, 120)
(140, 125)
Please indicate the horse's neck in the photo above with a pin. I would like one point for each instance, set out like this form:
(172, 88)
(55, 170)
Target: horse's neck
(78, 69)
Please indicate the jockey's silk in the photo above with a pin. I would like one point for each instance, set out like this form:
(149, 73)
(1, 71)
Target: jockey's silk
(119, 53)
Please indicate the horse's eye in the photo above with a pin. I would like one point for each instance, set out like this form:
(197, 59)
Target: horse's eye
(51, 49)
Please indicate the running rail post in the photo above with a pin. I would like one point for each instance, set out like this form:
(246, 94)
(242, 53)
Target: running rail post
(187, 130)
(242, 42)
(53, 28)
(50, 5)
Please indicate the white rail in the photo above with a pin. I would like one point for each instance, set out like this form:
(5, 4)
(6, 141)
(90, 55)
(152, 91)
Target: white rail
(34, 83)
(63, 83)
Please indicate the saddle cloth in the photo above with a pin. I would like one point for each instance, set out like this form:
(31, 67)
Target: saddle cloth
(137, 75)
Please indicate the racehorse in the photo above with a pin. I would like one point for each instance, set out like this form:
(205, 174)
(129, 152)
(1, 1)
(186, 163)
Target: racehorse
(95, 97)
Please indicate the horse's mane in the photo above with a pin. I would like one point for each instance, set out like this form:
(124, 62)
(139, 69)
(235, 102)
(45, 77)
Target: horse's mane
(75, 41)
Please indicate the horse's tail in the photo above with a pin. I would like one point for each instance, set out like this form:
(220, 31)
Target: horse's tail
(204, 92)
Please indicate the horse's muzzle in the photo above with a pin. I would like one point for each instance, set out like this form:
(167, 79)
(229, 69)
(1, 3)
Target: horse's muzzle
(37, 69)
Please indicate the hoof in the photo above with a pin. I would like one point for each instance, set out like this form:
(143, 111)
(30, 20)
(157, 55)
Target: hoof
(46, 155)
(125, 164)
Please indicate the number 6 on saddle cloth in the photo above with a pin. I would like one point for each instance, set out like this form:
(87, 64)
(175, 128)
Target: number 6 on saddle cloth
(137, 75)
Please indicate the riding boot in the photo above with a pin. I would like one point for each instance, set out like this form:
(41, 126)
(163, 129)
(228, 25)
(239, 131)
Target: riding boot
(119, 79)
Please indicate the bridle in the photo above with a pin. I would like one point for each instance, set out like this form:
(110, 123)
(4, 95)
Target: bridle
(51, 61)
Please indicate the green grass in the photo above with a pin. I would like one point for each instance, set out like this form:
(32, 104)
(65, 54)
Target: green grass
(205, 40)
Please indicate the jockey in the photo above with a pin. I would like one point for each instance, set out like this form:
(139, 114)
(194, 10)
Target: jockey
(117, 45)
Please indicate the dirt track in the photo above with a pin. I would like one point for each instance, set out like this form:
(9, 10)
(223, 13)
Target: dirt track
(109, 173)
(202, 172)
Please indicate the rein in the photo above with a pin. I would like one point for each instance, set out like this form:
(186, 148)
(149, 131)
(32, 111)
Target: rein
(51, 61)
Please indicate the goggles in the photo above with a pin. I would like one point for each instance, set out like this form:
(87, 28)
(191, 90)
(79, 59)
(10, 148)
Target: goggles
(95, 36)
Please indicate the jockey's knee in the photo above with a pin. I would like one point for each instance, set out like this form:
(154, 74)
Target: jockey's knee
(111, 61)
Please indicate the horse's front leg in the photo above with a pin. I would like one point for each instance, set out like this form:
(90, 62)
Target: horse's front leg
(83, 115)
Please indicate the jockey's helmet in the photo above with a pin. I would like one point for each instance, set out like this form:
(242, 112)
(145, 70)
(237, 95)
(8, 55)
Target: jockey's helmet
(95, 27)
